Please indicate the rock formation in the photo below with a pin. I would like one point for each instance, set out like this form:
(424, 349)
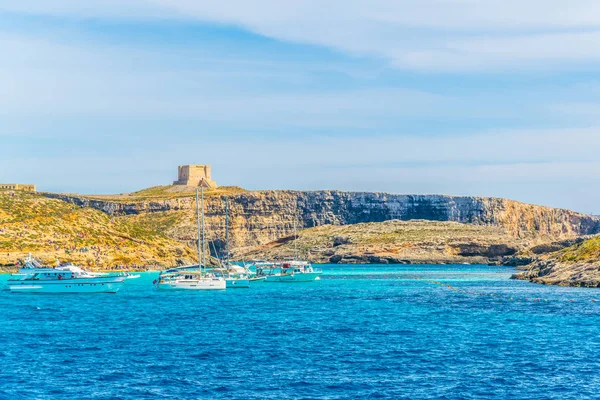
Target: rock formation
(261, 217)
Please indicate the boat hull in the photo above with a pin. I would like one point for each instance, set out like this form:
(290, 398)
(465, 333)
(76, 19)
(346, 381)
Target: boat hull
(238, 283)
(291, 278)
(192, 284)
(67, 286)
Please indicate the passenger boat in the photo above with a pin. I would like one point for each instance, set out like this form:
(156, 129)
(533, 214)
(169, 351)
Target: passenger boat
(67, 278)
(192, 277)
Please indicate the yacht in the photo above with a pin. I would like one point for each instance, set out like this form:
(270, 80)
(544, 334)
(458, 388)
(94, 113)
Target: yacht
(290, 271)
(34, 277)
(236, 277)
(192, 277)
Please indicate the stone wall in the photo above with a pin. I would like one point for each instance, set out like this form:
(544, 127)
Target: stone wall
(18, 186)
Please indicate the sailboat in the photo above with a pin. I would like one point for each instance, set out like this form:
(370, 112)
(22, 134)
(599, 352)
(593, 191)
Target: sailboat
(236, 277)
(290, 271)
(192, 277)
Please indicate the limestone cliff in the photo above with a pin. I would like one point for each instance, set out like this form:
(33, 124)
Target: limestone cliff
(261, 217)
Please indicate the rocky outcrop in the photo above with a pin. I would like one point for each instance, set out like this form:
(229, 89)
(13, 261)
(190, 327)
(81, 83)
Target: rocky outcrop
(395, 242)
(576, 265)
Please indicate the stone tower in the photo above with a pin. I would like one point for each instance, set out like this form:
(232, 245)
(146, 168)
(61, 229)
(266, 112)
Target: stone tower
(195, 175)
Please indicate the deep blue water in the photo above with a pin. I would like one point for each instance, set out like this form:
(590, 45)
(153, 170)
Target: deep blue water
(362, 331)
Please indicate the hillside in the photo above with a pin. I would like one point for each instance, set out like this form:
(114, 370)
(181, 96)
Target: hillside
(261, 217)
(578, 265)
(395, 241)
(52, 229)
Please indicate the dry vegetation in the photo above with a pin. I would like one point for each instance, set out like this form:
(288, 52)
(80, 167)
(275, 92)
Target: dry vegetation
(396, 241)
(52, 229)
(577, 265)
(166, 193)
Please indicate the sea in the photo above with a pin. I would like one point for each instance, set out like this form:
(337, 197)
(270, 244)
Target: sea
(362, 331)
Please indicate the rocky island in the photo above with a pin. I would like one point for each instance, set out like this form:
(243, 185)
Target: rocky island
(157, 227)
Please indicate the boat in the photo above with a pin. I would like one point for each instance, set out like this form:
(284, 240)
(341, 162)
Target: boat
(237, 277)
(126, 275)
(34, 277)
(192, 277)
(292, 271)
(288, 271)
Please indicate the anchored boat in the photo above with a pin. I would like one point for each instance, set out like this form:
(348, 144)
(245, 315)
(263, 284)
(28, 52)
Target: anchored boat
(67, 278)
(236, 277)
(289, 271)
(192, 277)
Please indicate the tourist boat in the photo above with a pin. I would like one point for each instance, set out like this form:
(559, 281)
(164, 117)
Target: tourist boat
(67, 278)
(192, 277)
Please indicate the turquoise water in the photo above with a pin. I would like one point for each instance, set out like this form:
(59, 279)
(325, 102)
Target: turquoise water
(414, 332)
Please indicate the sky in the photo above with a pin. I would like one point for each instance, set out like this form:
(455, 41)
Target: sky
(460, 97)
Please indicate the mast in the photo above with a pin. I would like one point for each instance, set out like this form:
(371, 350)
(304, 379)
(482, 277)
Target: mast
(199, 234)
(227, 230)
(203, 231)
(295, 236)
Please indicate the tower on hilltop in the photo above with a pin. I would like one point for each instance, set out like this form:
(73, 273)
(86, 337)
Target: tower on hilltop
(195, 175)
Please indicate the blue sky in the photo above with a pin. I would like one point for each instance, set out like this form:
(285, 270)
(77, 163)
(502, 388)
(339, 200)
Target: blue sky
(471, 97)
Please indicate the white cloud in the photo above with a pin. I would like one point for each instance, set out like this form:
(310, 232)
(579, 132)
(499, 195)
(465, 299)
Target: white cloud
(416, 34)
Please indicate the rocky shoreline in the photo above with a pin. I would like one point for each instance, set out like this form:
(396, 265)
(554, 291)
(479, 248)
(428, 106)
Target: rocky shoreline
(577, 265)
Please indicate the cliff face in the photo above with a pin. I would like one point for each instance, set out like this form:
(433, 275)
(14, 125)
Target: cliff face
(264, 216)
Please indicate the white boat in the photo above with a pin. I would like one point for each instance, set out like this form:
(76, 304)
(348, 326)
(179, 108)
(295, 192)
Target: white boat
(237, 283)
(236, 276)
(67, 278)
(126, 275)
(290, 271)
(192, 277)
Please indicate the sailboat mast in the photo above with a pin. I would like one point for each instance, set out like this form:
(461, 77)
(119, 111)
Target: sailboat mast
(227, 230)
(295, 236)
(203, 231)
(199, 234)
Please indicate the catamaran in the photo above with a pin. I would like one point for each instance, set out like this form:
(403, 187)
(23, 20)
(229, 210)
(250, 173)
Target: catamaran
(192, 277)
(34, 277)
